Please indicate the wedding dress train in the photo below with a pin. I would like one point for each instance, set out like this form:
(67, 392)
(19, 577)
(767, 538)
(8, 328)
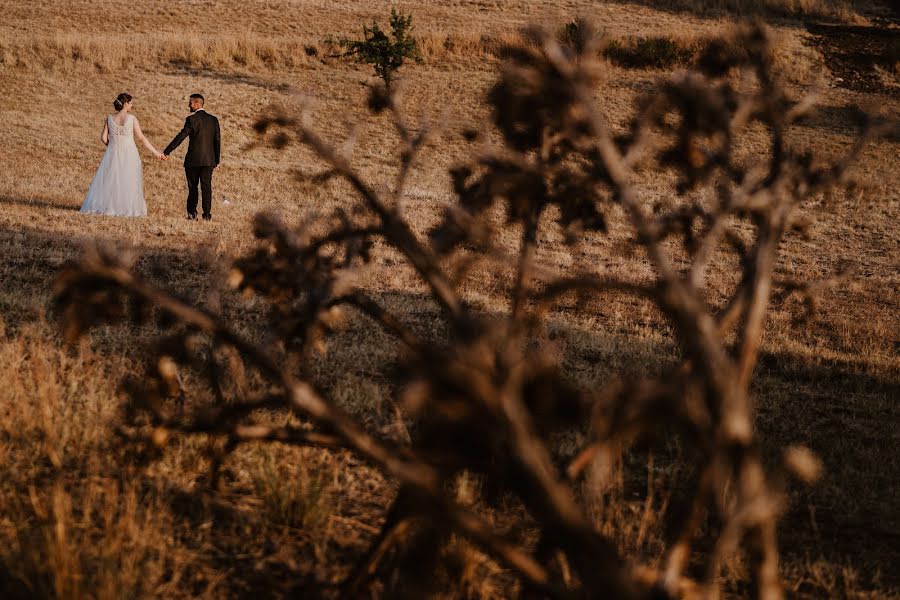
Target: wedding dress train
(118, 185)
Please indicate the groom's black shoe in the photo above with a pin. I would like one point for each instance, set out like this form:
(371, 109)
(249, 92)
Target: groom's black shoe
(192, 216)
(206, 217)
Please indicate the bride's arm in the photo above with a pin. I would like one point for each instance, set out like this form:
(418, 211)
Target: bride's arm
(104, 135)
(140, 135)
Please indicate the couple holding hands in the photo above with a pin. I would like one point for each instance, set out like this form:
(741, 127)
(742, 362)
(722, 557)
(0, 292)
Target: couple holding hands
(118, 185)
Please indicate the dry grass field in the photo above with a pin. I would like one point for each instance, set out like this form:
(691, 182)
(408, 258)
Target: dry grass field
(79, 518)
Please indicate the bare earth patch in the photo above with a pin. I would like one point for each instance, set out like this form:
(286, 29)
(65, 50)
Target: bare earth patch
(856, 53)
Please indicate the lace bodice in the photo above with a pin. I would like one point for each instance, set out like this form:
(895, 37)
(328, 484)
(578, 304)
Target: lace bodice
(121, 132)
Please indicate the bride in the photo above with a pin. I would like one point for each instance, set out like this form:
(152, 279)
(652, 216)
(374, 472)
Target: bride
(118, 185)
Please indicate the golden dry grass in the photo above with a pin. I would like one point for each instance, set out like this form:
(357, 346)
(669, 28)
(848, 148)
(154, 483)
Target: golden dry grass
(75, 523)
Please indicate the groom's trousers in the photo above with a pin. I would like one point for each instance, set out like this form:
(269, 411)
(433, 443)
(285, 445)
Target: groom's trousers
(201, 176)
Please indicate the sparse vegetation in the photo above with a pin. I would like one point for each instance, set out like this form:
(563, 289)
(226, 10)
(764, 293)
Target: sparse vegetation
(113, 53)
(386, 53)
(651, 52)
(84, 515)
(486, 397)
(292, 496)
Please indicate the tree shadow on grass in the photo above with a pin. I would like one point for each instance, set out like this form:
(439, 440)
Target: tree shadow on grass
(185, 68)
(714, 12)
(279, 562)
(847, 417)
(849, 119)
(39, 202)
(30, 260)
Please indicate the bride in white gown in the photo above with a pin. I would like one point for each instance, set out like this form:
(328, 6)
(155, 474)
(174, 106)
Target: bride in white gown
(118, 185)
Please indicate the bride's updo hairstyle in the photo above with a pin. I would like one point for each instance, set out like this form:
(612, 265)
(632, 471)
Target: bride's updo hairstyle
(121, 100)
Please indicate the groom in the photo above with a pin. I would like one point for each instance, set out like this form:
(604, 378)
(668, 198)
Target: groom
(204, 141)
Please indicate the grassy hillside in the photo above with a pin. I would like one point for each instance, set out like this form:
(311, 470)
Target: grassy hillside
(81, 517)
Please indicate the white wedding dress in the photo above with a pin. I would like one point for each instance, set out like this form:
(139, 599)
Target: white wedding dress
(118, 185)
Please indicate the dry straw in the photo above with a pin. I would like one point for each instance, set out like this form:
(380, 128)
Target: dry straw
(484, 396)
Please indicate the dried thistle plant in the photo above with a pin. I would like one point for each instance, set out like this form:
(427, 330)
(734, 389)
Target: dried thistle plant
(484, 397)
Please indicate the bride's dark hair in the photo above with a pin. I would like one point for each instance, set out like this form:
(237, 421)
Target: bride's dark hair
(121, 100)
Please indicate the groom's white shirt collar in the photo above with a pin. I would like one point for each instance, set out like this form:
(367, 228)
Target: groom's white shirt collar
(199, 109)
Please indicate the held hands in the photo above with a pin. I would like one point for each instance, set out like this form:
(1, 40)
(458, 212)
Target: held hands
(161, 156)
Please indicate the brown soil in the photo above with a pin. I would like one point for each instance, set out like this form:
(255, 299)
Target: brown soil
(853, 51)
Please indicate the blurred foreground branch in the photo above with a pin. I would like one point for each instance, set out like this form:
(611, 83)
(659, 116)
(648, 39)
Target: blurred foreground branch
(485, 398)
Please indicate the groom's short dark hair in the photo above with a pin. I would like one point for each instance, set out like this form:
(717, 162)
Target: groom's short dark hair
(198, 97)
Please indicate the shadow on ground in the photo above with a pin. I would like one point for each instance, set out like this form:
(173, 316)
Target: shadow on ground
(847, 417)
(39, 203)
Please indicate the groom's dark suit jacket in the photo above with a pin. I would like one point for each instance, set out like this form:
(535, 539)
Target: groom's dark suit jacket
(204, 140)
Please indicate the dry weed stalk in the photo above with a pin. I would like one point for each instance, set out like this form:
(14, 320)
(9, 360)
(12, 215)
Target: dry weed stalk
(485, 397)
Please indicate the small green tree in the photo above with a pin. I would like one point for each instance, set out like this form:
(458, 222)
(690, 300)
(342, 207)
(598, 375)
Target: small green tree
(386, 53)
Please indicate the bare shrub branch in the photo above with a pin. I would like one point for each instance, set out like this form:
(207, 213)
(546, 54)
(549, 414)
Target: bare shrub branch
(485, 397)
